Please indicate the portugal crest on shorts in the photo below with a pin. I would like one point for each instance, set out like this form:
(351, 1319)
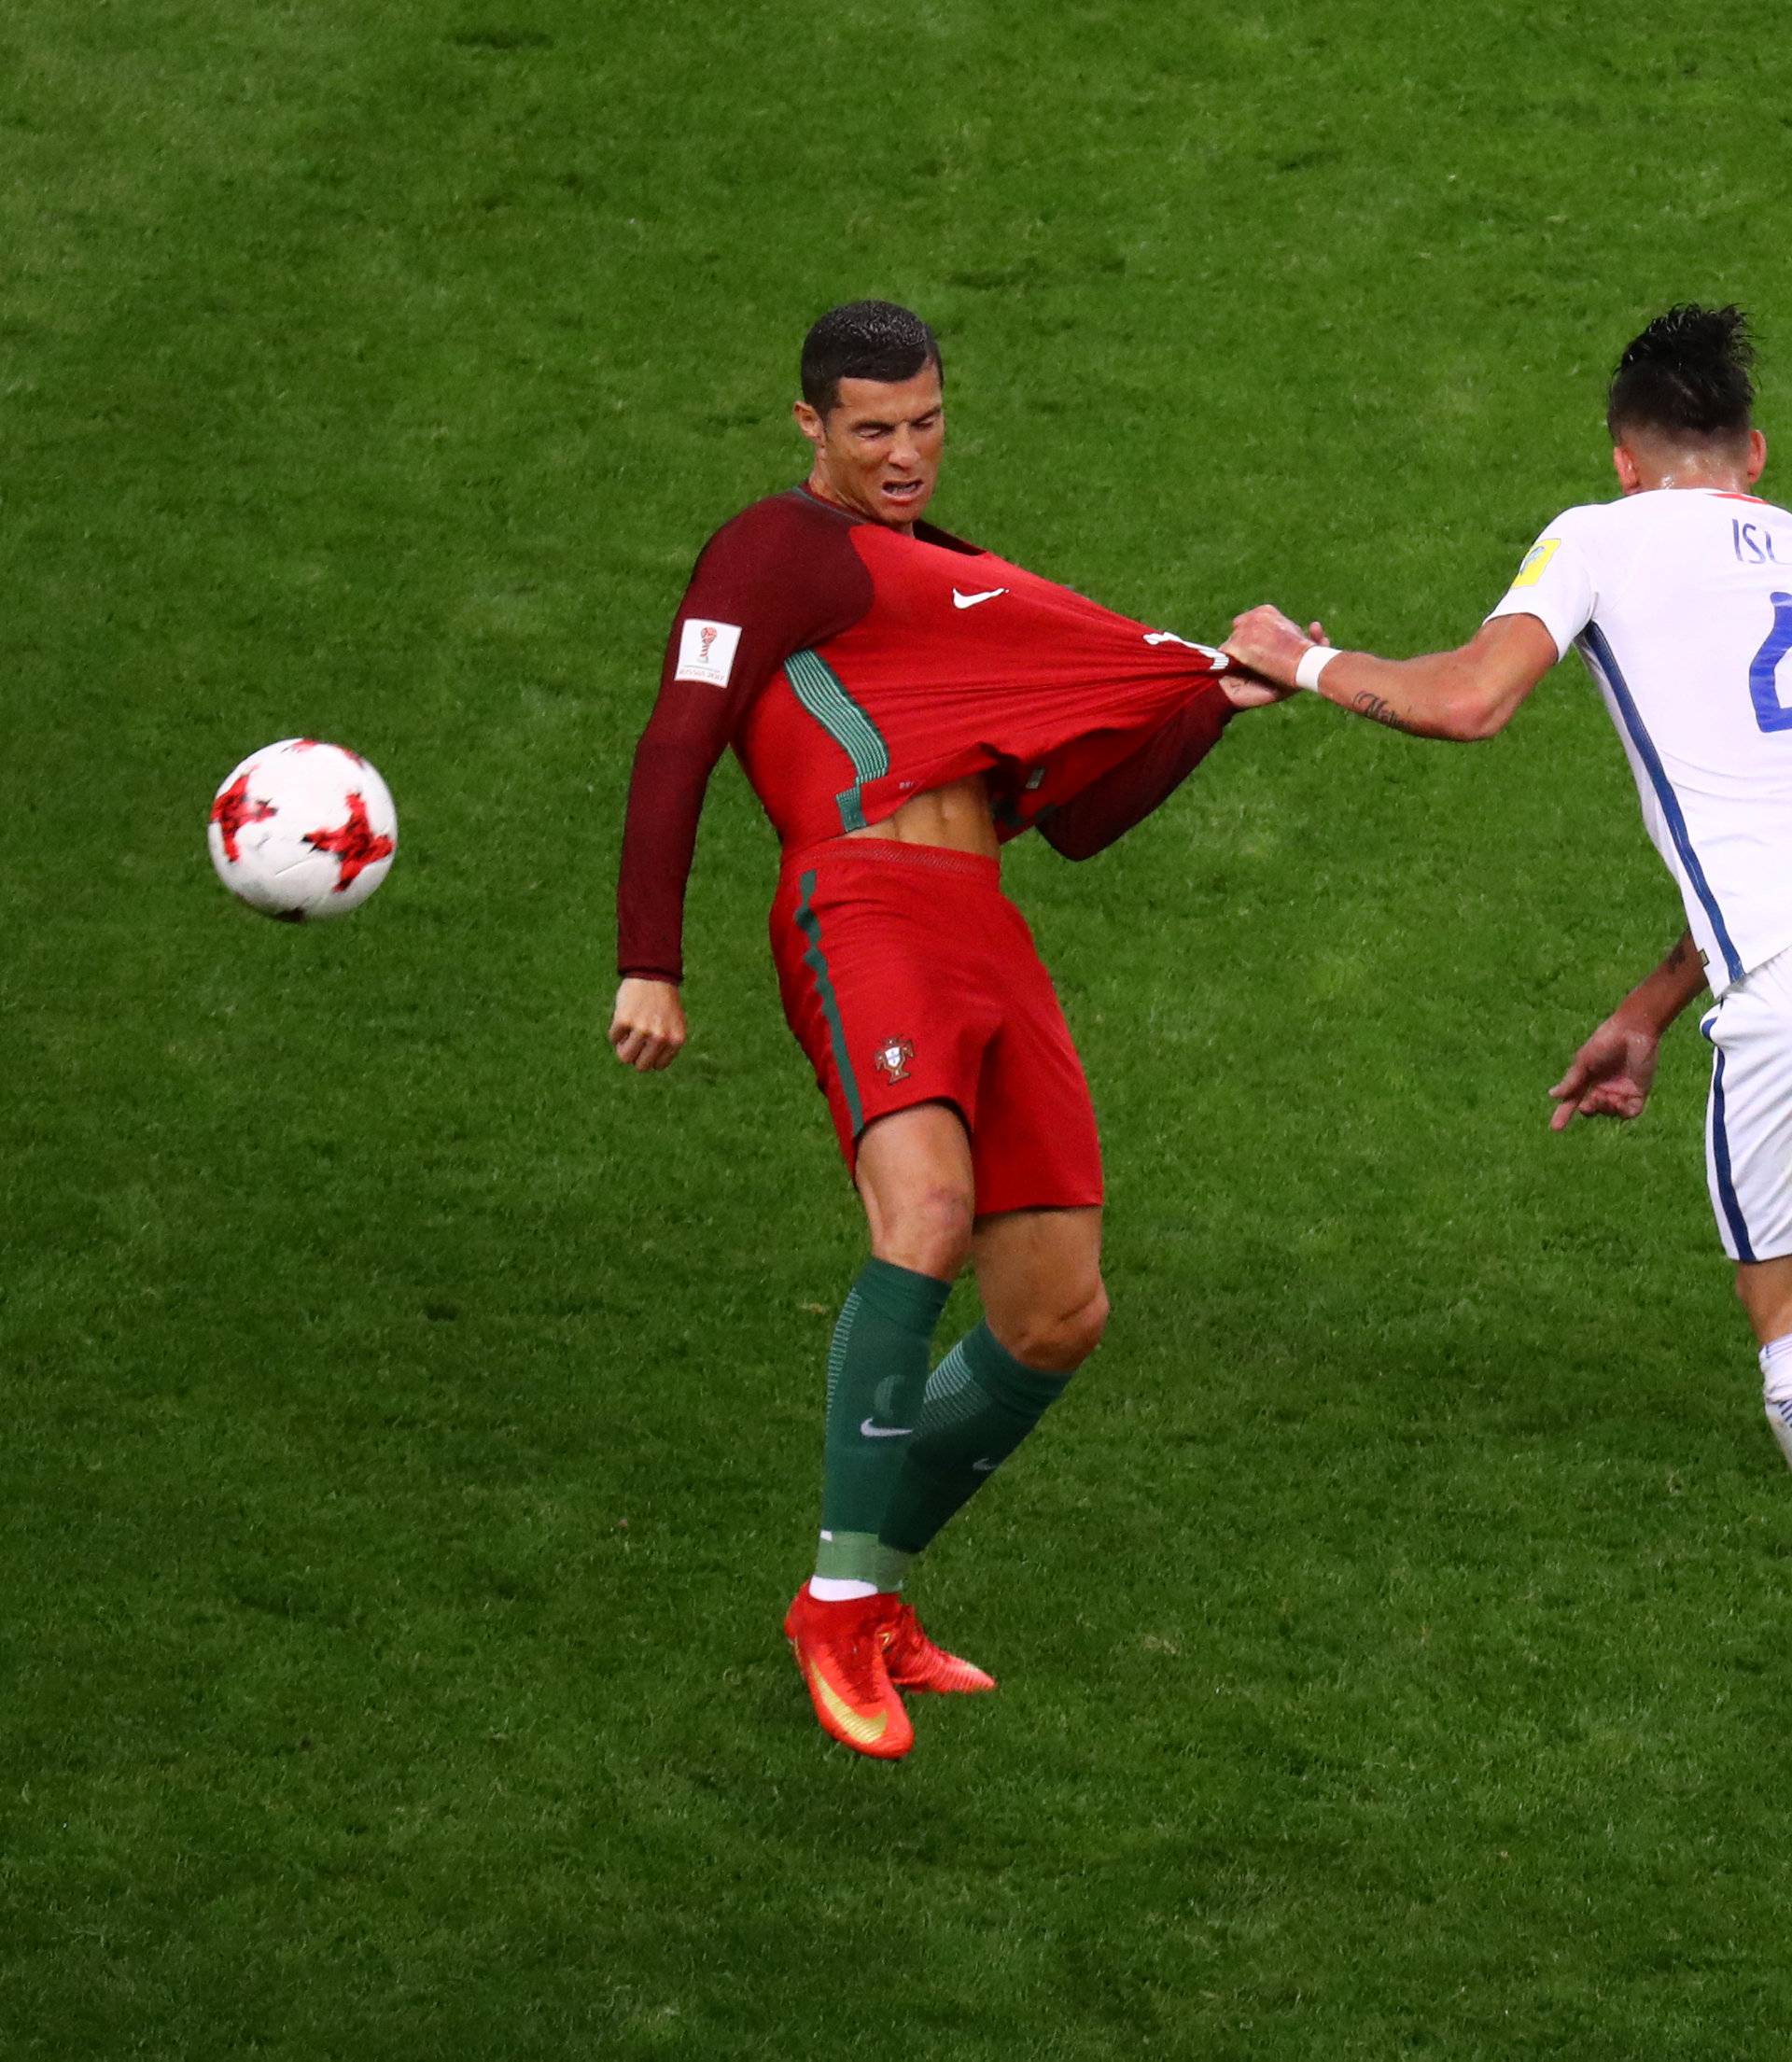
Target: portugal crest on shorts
(892, 1058)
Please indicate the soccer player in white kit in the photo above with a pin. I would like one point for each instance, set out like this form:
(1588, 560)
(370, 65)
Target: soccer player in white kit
(1678, 597)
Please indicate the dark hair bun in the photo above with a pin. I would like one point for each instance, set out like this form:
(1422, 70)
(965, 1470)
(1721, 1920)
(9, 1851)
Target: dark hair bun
(1687, 374)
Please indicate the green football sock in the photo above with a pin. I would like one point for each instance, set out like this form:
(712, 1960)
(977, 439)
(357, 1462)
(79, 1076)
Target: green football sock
(980, 1403)
(876, 1376)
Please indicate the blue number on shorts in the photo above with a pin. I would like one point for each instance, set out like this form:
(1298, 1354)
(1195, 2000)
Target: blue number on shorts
(1772, 713)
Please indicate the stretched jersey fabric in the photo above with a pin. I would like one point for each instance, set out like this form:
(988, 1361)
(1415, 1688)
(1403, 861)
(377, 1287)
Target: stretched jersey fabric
(852, 666)
(1680, 603)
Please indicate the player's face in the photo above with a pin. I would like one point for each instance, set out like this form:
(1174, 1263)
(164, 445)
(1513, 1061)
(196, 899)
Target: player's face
(877, 449)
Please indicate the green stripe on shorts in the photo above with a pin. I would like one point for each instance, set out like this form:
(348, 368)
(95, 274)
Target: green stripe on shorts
(809, 925)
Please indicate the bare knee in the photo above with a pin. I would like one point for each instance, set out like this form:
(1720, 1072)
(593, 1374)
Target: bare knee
(915, 1180)
(928, 1230)
(1059, 1339)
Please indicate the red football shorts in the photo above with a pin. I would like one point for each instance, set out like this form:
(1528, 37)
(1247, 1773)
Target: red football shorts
(908, 976)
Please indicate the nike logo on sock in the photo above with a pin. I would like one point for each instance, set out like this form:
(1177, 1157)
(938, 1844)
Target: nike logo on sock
(982, 1467)
(961, 600)
(870, 1431)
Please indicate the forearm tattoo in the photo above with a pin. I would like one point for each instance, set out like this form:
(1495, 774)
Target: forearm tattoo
(1378, 711)
(1683, 953)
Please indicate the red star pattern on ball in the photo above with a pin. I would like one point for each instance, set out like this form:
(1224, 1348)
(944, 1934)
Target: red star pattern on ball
(232, 809)
(356, 845)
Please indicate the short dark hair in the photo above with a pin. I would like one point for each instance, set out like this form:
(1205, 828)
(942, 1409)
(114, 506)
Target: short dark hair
(865, 340)
(1687, 374)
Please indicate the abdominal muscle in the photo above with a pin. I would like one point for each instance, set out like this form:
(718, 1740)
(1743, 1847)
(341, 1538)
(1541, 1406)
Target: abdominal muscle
(957, 816)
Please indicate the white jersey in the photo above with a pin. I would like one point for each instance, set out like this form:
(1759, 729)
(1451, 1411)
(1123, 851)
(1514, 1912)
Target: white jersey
(1680, 602)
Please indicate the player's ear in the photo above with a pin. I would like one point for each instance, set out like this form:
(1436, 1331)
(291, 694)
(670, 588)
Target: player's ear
(1624, 465)
(810, 423)
(1757, 456)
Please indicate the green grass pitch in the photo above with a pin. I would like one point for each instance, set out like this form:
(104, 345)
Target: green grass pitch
(411, 1423)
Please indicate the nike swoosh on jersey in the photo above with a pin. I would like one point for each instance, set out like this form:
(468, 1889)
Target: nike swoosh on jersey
(960, 601)
(869, 1431)
(854, 1723)
(1189, 644)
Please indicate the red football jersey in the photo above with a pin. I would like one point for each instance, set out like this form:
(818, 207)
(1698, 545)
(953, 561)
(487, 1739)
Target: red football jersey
(853, 666)
(964, 664)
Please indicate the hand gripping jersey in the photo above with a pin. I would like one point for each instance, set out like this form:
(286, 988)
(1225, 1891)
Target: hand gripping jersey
(853, 666)
(1680, 603)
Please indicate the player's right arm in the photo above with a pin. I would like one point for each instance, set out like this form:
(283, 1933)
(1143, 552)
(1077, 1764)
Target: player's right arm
(1466, 694)
(692, 722)
(1612, 1073)
(646, 1026)
(780, 577)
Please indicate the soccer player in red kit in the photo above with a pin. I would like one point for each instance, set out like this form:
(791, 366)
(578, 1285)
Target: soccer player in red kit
(903, 703)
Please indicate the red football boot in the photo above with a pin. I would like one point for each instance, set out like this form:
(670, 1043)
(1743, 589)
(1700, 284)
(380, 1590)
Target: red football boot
(915, 1663)
(839, 1649)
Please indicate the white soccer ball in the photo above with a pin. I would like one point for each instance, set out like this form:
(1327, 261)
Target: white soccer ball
(303, 829)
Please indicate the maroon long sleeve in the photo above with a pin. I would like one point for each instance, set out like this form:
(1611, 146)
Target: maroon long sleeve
(1107, 808)
(777, 579)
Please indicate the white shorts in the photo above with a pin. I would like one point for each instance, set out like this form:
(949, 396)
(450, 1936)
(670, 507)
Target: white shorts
(1748, 1117)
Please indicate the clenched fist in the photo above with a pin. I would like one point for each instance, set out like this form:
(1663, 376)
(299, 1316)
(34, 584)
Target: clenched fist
(1268, 643)
(647, 1028)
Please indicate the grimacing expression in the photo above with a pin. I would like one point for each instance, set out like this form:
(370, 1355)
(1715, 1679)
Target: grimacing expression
(877, 449)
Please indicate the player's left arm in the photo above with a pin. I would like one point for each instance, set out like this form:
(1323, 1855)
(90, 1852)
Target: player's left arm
(1612, 1073)
(1091, 820)
(1113, 804)
(1464, 695)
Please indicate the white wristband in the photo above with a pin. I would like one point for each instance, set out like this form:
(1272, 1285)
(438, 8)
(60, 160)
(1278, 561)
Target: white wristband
(1313, 662)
